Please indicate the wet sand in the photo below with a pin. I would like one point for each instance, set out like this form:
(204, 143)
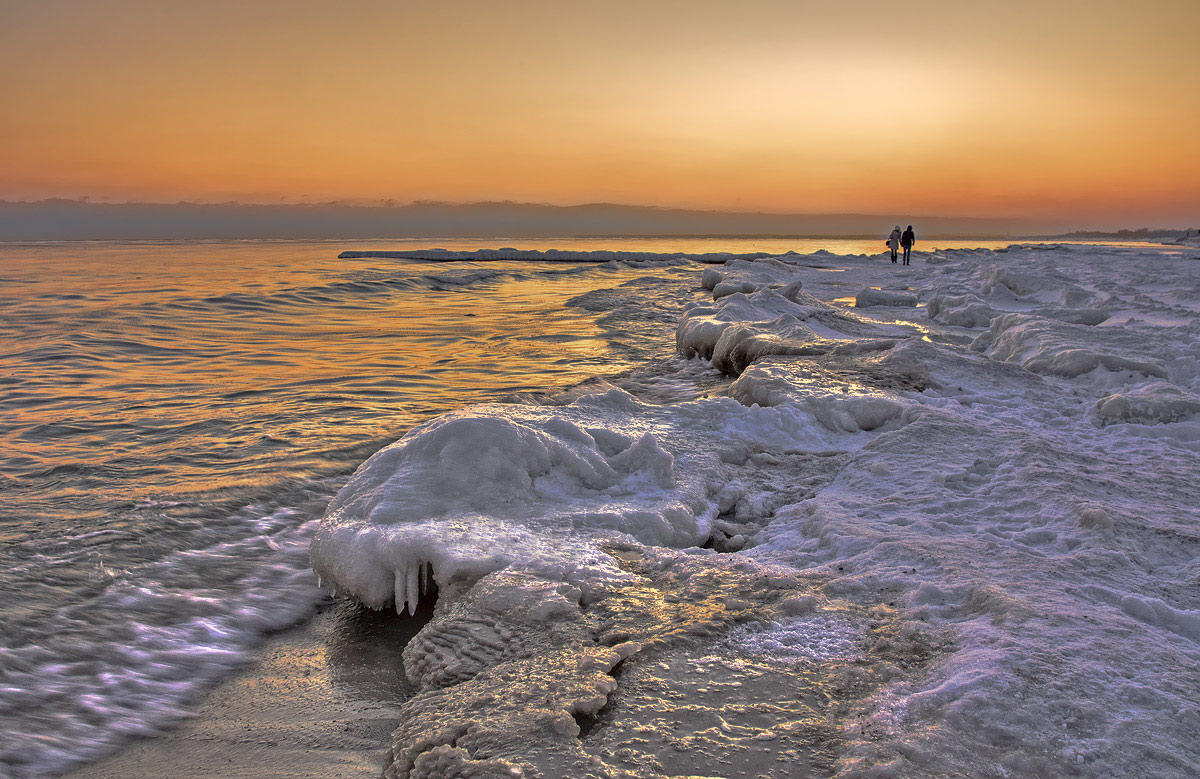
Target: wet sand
(319, 699)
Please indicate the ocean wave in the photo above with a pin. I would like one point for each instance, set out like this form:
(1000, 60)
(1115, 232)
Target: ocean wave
(129, 659)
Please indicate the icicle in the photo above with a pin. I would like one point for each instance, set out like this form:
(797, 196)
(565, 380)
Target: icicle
(414, 593)
(401, 595)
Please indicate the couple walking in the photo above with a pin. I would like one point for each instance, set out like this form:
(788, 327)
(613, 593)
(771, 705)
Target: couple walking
(898, 239)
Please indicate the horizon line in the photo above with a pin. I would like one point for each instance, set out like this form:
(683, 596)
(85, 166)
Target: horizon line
(388, 203)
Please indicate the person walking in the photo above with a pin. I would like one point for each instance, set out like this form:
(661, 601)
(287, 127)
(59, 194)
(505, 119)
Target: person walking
(907, 240)
(893, 241)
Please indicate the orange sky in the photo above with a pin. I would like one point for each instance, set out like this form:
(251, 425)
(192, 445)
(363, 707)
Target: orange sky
(1076, 109)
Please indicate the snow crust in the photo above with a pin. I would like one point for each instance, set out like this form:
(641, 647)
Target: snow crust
(998, 483)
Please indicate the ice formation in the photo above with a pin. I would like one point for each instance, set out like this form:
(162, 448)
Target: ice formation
(493, 486)
(884, 297)
(962, 537)
(549, 255)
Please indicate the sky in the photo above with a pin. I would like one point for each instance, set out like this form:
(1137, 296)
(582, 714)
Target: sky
(1026, 108)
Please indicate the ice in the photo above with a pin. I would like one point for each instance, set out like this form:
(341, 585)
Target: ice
(745, 276)
(1062, 349)
(773, 383)
(1149, 403)
(493, 486)
(549, 255)
(800, 639)
(970, 526)
(884, 297)
(741, 328)
(961, 310)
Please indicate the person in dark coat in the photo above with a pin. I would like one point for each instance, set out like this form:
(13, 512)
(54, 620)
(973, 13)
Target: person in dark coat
(907, 240)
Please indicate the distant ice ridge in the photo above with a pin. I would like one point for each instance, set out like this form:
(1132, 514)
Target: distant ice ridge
(551, 255)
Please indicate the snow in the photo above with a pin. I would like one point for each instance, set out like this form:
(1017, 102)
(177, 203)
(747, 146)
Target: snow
(977, 519)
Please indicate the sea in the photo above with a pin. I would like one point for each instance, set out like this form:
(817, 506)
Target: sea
(177, 415)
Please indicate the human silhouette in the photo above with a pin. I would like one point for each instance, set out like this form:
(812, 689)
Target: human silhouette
(893, 241)
(907, 240)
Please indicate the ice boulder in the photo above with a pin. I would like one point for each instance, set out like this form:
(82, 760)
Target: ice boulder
(725, 288)
(1149, 403)
(884, 297)
(742, 328)
(837, 405)
(746, 277)
(476, 490)
(960, 310)
(1055, 348)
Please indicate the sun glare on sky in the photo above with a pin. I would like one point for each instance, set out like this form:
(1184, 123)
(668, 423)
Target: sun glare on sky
(1063, 108)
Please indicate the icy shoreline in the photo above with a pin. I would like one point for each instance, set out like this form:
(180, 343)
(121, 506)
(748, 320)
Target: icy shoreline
(961, 537)
(551, 255)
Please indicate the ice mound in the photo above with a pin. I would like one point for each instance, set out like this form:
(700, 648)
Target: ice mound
(725, 288)
(1151, 403)
(961, 310)
(741, 328)
(749, 276)
(1058, 348)
(970, 378)
(837, 405)
(884, 297)
(1044, 284)
(488, 487)
(478, 489)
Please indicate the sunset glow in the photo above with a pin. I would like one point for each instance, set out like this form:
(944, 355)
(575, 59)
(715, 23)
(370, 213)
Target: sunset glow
(1069, 109)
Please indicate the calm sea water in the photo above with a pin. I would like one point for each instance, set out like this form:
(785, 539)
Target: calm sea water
(175, 416)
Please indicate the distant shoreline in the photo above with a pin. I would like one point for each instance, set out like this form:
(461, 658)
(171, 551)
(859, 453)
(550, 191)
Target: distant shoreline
(86, 220)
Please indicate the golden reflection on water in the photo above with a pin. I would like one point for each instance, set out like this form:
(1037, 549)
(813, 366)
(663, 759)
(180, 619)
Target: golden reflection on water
(164, 368)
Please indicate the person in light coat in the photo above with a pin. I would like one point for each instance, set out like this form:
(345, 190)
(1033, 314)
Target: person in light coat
(893, 241)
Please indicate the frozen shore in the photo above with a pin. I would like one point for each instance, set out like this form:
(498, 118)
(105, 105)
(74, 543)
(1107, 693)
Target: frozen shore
(943, 522)
(550, 255)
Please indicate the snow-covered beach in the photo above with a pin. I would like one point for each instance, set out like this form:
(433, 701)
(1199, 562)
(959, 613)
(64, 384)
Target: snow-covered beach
(803, 514)
(942, 521)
